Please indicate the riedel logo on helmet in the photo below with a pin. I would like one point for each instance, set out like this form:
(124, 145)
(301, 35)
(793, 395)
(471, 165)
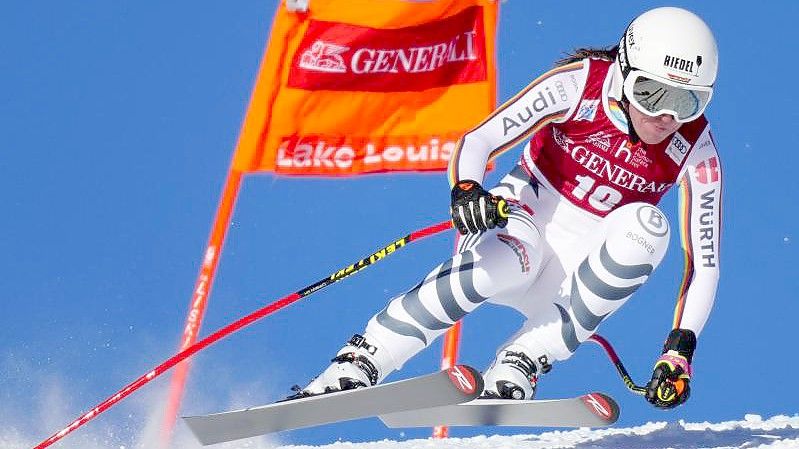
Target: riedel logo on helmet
(683, 65)
(344, 57)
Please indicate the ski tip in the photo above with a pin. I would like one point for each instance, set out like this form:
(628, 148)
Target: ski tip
(194, 423)
(603, 406)
(467, 380)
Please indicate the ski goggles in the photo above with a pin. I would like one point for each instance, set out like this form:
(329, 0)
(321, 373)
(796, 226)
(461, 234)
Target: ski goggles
(655, 97)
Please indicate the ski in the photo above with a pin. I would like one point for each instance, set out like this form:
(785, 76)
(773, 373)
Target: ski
(458, 384)
(590, 410)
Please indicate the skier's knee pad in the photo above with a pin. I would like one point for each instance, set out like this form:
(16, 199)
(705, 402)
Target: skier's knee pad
(637, 233)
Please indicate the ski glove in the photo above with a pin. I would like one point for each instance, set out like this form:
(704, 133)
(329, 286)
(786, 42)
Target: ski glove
(474, 209)
(671, 376)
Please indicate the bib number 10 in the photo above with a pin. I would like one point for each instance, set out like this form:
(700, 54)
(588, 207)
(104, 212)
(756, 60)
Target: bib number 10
(602, 198)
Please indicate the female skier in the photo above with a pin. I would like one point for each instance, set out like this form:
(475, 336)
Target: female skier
(569, 234)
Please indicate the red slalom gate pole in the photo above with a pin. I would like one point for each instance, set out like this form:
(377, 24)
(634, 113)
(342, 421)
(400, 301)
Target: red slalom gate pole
(243, 322)
(449, 353)
(448, 360)
(199, 298)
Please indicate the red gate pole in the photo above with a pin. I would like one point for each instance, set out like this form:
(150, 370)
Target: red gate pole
(199, 299)
(245, 321)
(448, 360)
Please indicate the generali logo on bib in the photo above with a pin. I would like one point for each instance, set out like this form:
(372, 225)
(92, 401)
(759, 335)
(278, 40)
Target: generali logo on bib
(344, 57)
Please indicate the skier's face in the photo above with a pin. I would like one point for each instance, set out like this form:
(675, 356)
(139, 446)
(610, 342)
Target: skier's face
(653, 130)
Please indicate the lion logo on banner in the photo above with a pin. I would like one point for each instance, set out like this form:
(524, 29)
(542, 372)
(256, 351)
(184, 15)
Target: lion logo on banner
(324, 57)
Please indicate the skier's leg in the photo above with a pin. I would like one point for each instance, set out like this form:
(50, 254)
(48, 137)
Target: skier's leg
(487, 265)
(628, 245)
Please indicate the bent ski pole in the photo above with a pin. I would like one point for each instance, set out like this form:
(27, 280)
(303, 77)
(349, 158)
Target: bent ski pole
(245, 321)
(614, 358)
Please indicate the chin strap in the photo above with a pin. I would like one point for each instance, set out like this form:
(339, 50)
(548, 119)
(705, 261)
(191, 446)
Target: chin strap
(623, 70)
(625, 107)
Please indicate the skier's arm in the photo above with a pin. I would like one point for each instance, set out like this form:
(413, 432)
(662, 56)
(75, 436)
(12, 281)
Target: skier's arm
(551, 97)
(700, 226)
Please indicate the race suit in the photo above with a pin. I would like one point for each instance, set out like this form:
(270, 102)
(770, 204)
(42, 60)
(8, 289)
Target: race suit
(584, 231)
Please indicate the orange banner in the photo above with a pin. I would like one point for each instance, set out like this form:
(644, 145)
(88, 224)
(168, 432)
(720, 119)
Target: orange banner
(364, 86)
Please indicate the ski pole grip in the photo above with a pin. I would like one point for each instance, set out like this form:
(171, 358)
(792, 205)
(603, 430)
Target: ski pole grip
(503, 210)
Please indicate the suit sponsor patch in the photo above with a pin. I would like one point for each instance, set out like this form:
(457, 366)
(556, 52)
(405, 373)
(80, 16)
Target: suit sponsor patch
(678, 149)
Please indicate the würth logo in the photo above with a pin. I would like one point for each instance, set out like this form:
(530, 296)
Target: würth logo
(707, 172)
(344, 57)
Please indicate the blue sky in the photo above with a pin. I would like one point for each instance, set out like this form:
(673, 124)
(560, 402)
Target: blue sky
(117, 123)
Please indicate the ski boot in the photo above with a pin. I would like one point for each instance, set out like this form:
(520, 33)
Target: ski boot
(514, 375)
(356, 365)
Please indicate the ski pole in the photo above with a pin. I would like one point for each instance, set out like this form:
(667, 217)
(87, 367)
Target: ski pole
(245, 321)
(614, 358)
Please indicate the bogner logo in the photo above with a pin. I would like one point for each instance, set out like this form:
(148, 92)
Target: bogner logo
(345, 57)
(652, 220)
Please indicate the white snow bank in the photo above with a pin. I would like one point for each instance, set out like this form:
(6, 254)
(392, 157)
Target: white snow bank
(753, 432)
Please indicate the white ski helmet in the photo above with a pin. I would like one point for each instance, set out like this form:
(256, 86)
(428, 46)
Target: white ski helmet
(668, 60)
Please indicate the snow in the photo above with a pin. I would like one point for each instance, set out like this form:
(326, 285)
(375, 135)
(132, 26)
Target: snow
(136, 426)
(752, 432)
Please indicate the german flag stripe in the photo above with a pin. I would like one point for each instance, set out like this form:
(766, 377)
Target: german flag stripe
(685, 236)
(454, 176)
